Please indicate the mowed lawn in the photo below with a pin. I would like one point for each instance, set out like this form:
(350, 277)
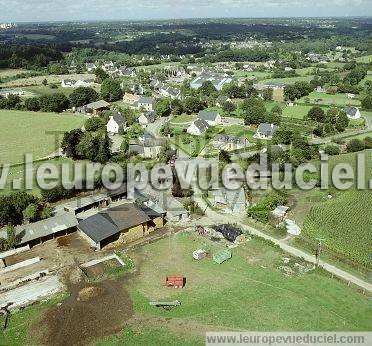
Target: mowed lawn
(29, 132)
(248, 292)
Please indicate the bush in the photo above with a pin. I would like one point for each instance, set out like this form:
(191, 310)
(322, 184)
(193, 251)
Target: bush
(32, 104)
(355, 145)
(368, 142)
(93, 124)
(332, 150)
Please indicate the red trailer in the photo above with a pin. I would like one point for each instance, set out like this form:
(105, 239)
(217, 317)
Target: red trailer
(175, 281)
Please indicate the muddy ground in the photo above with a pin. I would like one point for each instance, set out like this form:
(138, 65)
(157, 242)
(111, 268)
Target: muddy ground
(92, 311)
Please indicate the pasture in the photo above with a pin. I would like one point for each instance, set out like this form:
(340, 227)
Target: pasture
(30, 132)
(248, 292)
(51, 79)
(327, 99)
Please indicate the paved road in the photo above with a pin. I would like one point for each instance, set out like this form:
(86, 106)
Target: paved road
(227, 218)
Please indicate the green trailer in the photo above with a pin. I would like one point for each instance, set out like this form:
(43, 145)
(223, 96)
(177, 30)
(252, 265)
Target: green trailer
(222, 256)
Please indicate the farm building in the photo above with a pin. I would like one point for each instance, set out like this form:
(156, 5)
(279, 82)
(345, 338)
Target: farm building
(123, 223)
(41, 231)
(98, 200)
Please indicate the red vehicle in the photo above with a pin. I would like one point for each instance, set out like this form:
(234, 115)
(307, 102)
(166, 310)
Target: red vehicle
(175, 281)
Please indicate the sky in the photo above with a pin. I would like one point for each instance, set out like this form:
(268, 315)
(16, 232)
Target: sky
(74, 10)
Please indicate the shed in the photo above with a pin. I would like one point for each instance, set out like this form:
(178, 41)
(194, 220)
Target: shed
(199, 254)
(222, 256)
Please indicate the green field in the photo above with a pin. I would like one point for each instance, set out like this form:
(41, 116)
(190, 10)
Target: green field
(27, 132)
(18, 172)
(344, 220)
(345, 224)
(248, 292)
(327, 99)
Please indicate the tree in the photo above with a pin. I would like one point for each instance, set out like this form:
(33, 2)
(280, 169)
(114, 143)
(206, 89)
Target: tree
(54, 103)
(32, 104)
(332, 150)
(224, 156)
(277, 109)
(342, 121)
(193, 105)
(134, 131)
(93, 124)
(104, 153)
(316, 113)
(70, 142)
(228, 107)
(82, 96)
(162, 107)
(87, 147)
(367, 102)
(177, 107)
(355, 145)
(30, 213)
(45, 82)
(368, 142)
(11, 237)
(207, 89)
(111, 90)
(255, 115)
(100, 75)
(283, 136)
(267, 94)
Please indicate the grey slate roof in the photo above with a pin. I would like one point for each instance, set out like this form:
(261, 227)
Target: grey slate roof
(208, 115)
(201, 124)
(43, 228)
(350, 110)
(112, 221)
(267, 129)
(119, 119)
(98, 104)
(146, 100)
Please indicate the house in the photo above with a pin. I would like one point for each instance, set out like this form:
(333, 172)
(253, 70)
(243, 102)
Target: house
(147, 118)
(122, 224)
(211, 117)
(226, 142)
(124, 71)
(90, 67)
(41, 231)
(147, 149)
(167, 91)
(280, 211)
(217, 80)
(71, 83)
(221, 100)
(198, 127)
(14, 92)
(130, 98)
(350, 95)
(94, 108)
(148, 103)
(116, 124)
(231, 201)
(352, 112)
(265, 131)
(137, 89)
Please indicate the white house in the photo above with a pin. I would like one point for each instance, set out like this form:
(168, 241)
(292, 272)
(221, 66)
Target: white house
(265, 131)
(116, 124)
(211, 117)
(198, 127)
(148, 103)
(72, 83)
(147, 118)
(352, 112)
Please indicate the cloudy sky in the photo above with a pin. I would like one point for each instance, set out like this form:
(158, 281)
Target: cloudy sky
(54, 10)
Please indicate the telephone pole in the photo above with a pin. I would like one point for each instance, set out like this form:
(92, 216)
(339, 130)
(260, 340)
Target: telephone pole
(318, 250)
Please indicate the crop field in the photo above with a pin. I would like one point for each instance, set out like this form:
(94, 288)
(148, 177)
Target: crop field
(343, 220)
(29, 132)
(345, 224)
